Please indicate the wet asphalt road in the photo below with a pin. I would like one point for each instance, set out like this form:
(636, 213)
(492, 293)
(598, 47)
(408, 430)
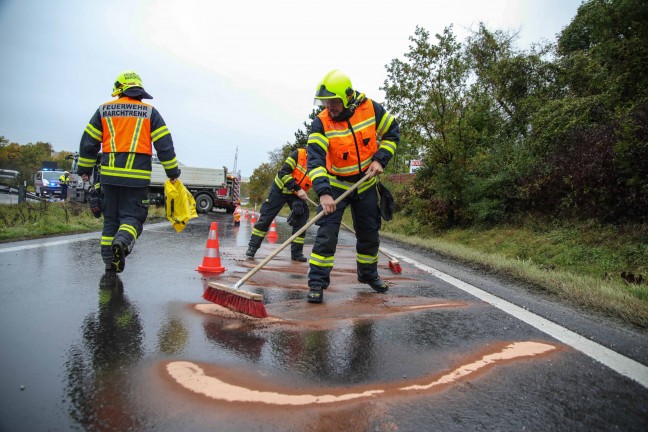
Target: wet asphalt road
(146, 352)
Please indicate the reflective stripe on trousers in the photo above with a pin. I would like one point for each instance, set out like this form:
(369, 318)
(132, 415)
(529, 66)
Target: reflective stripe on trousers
(366, 223)
(124, 211)
(269, 211)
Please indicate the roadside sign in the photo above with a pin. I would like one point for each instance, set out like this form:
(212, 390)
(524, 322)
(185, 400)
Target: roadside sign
(415, 164)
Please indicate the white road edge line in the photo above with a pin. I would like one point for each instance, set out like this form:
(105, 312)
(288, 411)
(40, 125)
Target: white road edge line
(77, 238)
(615, 361)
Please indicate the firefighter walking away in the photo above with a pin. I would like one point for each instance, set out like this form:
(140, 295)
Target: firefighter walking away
(125, 130)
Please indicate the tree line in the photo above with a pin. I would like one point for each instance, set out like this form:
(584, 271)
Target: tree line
(559, 129)
(28, 158)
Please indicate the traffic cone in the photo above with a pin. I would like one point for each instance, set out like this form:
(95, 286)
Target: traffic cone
(272, 234)
(211, 262)
(253, 219)
(247, 214)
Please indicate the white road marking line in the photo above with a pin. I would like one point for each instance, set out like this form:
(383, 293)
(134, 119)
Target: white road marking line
(50, 243)
(76, 238)
(615, 361)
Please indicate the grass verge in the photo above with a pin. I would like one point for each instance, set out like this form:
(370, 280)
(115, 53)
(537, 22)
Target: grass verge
(581, 263)
(45, 219)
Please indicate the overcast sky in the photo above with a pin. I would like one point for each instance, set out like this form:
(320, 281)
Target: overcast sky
(223, 74)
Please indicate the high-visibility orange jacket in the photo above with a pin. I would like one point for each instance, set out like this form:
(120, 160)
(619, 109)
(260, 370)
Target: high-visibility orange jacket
(293, 176)
(351, 146)
(344, 149)
(126, 130)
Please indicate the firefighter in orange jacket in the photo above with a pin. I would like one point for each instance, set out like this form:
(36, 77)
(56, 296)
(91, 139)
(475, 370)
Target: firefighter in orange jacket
(290, 186)
(125, 130)
(351, 137)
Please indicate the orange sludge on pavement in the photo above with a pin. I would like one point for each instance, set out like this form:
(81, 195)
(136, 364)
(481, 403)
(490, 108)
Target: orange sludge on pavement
(347, 304)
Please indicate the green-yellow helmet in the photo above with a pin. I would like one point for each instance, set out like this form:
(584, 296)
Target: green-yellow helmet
(335, 85)
(125, 81)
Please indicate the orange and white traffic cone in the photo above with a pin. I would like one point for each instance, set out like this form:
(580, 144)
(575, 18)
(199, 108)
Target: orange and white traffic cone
(253, 219)
(211, 262)
(247, 214)
(272, 234)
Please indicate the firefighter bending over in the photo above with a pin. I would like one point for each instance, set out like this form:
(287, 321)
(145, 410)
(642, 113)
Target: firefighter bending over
(351, 137)
(290, 186)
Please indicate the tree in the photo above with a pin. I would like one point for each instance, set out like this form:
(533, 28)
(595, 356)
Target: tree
(261, 177)
(9, 154)
(516, 81)
(604, 50)
(601, 62)
(510, 85)
(429, 95)
(63, 160)
(301, 136)
(27, 159)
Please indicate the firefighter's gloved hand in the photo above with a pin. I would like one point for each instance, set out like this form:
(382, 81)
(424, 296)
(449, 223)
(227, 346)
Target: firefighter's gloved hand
(95, 200)
(298, 207)
(292, 219)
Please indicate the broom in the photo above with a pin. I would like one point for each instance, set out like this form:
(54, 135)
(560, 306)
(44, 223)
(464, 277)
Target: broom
(250, 303)
(394, 265)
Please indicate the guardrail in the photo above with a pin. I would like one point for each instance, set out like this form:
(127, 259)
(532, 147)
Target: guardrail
(10, 190)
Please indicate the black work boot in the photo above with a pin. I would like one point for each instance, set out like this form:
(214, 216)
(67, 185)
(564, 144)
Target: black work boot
(297, 252)
(119, 251)
(251, 251)
(377, 284)
(298, 256)
(315, 294)
(253, 245)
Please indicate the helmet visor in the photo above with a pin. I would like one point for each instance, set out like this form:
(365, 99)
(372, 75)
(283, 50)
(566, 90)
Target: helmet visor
(326, 102)
(323, 92)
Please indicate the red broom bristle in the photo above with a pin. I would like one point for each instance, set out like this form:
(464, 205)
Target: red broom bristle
(236, 303)
(395, 266)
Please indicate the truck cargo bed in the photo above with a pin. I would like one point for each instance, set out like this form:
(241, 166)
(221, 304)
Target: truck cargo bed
(191, 177)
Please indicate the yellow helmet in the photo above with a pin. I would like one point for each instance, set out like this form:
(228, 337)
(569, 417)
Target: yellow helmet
(335, 85)
(125, 81)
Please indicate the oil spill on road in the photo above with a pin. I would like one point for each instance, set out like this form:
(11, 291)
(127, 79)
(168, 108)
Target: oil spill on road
(346, 303)
(229, 385)
(299, 314)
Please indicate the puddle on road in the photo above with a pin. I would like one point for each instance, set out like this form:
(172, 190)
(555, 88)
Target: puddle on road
(228, 385)
(345, 301)
(281, 281)
(299, 313)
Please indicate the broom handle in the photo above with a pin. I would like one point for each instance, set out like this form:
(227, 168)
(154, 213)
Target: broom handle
(352, 230)
(310, 223)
